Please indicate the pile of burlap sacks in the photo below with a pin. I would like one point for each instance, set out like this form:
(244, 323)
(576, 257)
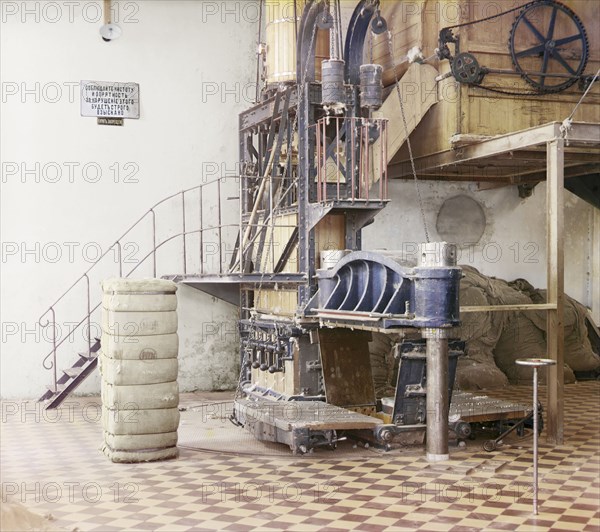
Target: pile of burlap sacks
(494, 340)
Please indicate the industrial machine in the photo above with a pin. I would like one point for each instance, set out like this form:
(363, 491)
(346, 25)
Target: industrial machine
(314, 155)
(313, 160)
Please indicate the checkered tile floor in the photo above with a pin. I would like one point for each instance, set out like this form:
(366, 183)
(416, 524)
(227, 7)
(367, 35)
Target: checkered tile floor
(51, 462)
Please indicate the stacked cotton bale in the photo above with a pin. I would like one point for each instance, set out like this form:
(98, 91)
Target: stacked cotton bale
(138, 364)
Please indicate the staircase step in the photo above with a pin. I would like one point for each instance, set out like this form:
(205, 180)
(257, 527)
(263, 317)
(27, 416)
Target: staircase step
(88, 356)
(72, 372)
(59, 389)
(72, 377)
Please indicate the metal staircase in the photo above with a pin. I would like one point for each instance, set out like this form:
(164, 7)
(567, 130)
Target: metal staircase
(72, 377)
(202, 236)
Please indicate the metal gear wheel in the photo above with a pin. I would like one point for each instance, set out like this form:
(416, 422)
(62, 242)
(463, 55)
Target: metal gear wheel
(549, 46)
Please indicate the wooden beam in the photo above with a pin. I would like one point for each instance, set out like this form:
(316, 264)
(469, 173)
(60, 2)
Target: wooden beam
(489, 148)
(580, 134)
(555, 276)
(500, 308)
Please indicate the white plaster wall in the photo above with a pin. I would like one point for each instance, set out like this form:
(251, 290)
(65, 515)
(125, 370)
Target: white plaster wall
(513, 244)
(194, 62)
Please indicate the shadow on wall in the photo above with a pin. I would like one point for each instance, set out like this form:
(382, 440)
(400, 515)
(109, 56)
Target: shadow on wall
(208, 342)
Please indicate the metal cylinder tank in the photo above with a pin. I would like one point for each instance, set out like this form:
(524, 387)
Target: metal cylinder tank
(280, 37)
(333, 83)
(371, 88)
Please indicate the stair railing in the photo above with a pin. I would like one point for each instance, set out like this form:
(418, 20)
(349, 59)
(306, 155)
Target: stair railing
(48, 318)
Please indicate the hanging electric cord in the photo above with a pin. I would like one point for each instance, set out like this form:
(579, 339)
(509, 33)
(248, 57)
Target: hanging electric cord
(408, 143)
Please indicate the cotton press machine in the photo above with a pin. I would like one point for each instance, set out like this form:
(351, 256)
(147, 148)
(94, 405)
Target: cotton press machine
(314, 155)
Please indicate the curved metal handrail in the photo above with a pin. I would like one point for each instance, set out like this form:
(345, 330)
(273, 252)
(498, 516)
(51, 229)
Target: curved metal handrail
(133, 226)
(141, 261)
(49, 315)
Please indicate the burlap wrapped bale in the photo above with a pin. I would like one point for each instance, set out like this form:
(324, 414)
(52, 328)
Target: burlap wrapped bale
(522, 339)
(134, 323)
(384, 366)
(579, 355)
(137, 442)
(158, 346)
(476, 370)
(379, 349)
(129, 419)
(146, 396)
(140, 455)
(138, 364)
(129, 372)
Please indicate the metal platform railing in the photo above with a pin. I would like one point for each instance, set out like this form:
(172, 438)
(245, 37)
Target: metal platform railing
(199, 198)
(349, 160)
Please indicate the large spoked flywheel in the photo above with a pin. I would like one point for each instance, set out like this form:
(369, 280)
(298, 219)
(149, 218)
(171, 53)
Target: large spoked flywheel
(549, 46)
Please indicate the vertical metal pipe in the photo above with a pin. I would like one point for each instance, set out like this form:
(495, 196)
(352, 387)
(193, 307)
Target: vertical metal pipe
(242, 207)
(220, 229)
(437, 394)
(54, 348)
(272, 224)
(381, 163)
(183, 232)
(202, 233)
(535, 440)
(385, 159)
(87, 280)
(367, 161)
(535, 363)
(319, 165)
(118, 244)
(153, 243)
(352, 144)
(337, 155)
(360, 160)
(324, 162)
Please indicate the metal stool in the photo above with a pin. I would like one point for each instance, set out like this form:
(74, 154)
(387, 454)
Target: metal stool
(535, 363)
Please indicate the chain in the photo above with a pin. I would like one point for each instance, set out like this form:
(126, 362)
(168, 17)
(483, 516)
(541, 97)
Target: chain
(491, 17)
(408, 144)
(508, 93)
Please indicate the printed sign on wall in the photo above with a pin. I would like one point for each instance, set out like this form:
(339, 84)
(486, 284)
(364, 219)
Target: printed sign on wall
(110, 99)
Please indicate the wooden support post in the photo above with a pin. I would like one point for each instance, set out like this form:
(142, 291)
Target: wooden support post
(555, 275)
